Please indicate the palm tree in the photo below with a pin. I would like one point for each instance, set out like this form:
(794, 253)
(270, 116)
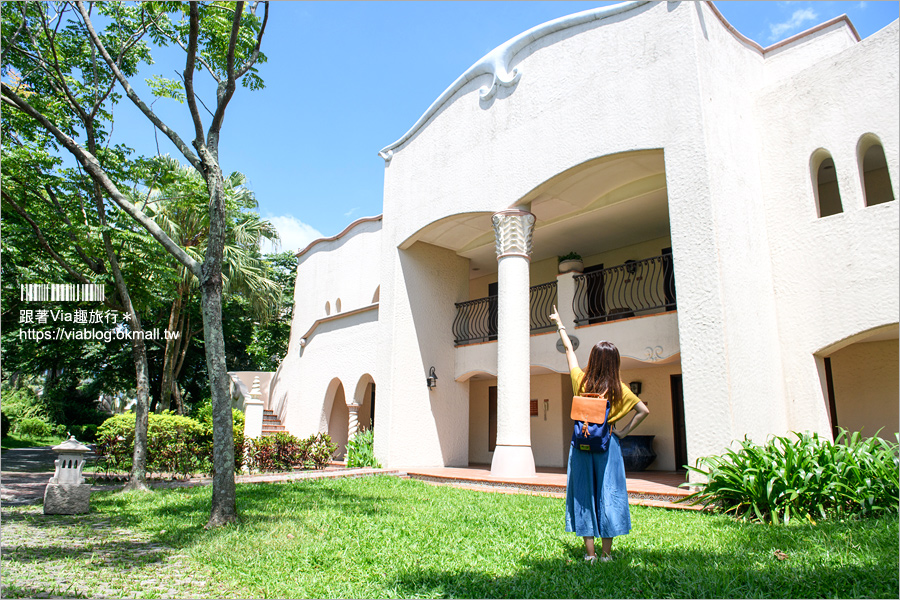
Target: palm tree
(176, 201)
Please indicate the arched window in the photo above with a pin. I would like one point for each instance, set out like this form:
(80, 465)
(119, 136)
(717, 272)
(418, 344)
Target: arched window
(327, 308)
(873, 171)
(828, 196)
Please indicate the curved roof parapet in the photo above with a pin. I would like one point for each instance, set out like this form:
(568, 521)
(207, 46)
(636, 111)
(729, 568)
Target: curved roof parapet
(497, 62)
(338, 236)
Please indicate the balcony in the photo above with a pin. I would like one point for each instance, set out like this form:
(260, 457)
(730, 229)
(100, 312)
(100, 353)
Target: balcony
(637, 287)
(476, 320)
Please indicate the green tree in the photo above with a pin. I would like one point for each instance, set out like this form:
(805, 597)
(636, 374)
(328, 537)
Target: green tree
(176, 205)
(220, 39)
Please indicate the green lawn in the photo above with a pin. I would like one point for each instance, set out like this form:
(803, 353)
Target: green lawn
(387, 537)
(13, 441)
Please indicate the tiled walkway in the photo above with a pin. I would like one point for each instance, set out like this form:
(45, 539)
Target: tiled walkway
(649, 488)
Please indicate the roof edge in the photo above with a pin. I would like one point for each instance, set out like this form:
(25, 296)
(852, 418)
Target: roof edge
(340, 235)
(786, 42)
(497, 62)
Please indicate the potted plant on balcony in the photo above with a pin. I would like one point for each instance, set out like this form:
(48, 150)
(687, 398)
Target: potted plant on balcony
(571, 263)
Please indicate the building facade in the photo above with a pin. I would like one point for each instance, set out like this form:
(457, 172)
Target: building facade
(733, 207)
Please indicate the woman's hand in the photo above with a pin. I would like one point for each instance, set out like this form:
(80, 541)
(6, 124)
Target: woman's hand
(554, 316)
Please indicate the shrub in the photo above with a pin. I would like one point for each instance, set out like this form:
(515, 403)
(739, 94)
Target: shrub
(361, 450)
(283, 452)
(810, 477)
(34, 427)
(319, 451)
(4, 425)
(175, 444)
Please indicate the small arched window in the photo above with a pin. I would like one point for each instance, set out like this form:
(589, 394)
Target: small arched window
(828, 196)
(874, 172)
(327, 308)
(337, 305)
(377, 296)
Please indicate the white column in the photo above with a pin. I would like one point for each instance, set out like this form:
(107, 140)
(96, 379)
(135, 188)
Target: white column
(513, 456)
(253, 411)
(353, 427)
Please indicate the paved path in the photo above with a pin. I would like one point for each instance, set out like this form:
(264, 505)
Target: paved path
(24, 473)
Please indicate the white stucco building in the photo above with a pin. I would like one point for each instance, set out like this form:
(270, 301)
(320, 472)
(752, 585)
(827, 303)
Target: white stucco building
(734, 209)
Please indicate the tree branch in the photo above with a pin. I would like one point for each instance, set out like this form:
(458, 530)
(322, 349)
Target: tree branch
(189, 74)
(43, 241)
(255, 54)
(174, 39)
(92, 166)
(132, 95)
(226, 91)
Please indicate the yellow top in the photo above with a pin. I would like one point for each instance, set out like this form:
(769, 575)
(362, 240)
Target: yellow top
(629, 400)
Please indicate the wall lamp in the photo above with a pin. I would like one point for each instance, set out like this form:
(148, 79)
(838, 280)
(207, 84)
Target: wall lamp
(635, 387)
(432, 378)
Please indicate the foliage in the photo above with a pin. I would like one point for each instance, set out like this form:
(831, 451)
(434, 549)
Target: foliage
(4, 424)
(570, 256)
(22, 403)
(361, 450)
(283, 452)
(386, 537)
(34, 427)
(175, 444)
(804, 478)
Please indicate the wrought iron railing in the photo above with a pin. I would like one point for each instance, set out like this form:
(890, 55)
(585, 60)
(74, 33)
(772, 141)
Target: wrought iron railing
(636, 287)
(541, 300)
(476, 320)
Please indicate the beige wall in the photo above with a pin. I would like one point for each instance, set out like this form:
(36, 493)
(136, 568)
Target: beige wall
(549, 432)
(866, 387)
(550, 437)
(656, 392)
(633, 252)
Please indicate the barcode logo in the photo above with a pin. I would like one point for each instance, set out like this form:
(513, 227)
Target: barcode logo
(62, 292)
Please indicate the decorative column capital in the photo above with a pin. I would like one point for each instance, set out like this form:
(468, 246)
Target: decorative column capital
(353, 407)
(513, 230)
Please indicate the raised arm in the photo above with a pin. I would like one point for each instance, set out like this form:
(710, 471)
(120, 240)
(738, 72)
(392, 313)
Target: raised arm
(570, 352)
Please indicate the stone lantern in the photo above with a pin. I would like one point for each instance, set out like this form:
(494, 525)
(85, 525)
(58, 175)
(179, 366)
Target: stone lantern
(67, 493)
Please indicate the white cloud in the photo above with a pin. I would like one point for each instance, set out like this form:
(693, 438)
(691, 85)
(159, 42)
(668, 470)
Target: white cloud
(295, 234)
(351, 211)
(797, 21)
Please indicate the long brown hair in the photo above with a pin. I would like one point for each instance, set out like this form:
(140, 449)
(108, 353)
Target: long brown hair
(602, 373)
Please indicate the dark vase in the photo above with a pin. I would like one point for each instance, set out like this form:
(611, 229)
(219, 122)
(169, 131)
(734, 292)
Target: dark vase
(637, 452)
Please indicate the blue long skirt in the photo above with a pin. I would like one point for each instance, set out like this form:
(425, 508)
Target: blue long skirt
(596, 496)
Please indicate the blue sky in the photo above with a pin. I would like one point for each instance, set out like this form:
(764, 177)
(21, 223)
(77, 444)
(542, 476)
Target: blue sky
(345, 79)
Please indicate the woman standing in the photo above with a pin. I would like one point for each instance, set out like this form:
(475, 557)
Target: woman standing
(596, 497)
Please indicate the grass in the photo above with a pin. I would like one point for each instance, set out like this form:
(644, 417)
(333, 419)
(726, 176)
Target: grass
(12, 441)
(387, 537)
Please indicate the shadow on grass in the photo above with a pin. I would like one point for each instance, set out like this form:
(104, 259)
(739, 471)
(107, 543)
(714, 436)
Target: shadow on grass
(660, 574)
(182, 512)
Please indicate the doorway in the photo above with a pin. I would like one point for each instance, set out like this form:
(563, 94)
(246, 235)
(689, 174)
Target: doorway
(680, 438)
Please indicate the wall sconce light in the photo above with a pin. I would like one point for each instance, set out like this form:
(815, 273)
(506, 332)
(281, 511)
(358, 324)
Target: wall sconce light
(635, 387)
(431, 380)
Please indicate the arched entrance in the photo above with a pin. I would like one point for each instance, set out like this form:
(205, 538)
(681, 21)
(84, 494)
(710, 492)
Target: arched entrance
(861, 383)
(338, 416)
(364, 398)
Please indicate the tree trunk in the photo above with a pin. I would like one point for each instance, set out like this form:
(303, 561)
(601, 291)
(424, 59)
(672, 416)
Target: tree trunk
(171, 352)
(137, 480)
(224, 503)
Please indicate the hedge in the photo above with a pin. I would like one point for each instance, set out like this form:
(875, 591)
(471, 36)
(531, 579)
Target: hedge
(175, 444)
